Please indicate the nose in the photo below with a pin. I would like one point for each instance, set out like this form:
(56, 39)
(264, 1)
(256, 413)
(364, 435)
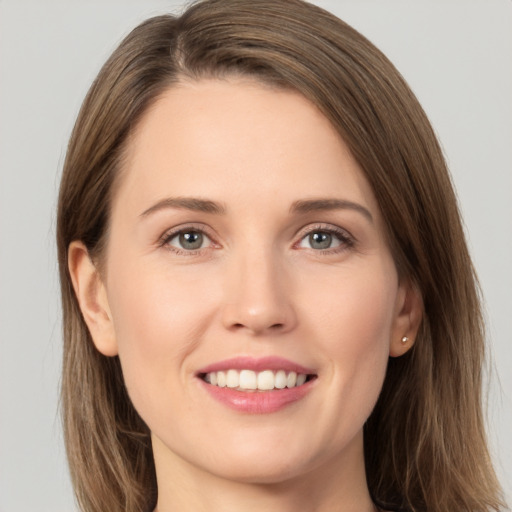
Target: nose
(258, 295)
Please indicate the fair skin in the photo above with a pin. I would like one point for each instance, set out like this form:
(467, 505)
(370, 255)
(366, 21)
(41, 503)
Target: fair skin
(242, 227)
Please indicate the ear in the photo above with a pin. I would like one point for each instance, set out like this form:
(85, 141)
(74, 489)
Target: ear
(92, 298)
(408, 315)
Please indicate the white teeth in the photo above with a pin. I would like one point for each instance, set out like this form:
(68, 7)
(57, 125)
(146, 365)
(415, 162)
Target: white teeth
(248, 380)
(266, 380)
(232, 379)
(291, 380)
(280, 381)
(221, 379)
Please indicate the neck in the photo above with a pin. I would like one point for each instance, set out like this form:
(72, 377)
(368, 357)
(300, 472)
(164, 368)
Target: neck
(335, 486)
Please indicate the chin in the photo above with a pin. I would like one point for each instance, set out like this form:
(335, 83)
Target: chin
(260, 471)
(269, 463)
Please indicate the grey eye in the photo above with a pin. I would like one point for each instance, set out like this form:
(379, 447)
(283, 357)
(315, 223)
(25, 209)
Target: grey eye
(189, 240)
(320, 240)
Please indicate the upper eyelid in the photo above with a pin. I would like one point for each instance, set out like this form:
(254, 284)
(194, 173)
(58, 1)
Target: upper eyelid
(192, 226)
(330, 228)
(170, 233)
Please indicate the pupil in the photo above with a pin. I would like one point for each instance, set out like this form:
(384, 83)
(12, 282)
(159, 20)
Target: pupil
(191, 240)
(320, 240)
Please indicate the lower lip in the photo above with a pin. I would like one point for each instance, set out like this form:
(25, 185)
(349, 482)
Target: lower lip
(258, 402)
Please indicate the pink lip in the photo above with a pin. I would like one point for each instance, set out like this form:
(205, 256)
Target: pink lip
(257, 402)
(258, 365)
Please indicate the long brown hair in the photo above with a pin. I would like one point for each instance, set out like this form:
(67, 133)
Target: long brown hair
(425, 443)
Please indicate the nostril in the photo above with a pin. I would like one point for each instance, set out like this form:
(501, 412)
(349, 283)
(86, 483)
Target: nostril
(273, 327)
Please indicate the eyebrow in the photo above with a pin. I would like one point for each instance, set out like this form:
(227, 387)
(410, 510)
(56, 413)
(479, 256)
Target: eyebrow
(327, 204)
(301, 206)
(186, 203)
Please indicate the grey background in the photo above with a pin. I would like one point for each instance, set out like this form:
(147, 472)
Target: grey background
(456, 55)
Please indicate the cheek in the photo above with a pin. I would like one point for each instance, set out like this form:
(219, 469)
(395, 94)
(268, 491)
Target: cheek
(352, 321)
(354, 309)
(158, 321)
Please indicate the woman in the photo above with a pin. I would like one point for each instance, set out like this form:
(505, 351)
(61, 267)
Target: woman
(268, 299)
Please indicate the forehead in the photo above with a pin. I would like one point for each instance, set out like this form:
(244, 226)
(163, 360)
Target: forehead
(226, 138)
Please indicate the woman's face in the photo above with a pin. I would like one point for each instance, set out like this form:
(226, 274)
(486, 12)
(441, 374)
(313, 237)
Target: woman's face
(247, 251)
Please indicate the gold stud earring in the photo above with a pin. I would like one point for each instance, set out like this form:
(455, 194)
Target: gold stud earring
(405, 339)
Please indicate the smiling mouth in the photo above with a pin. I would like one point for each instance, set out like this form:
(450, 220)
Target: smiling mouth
(251, 381)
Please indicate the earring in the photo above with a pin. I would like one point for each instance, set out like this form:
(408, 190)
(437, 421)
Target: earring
(405, 339)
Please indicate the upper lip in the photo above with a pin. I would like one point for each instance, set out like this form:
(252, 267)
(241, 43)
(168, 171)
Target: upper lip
(256, 364)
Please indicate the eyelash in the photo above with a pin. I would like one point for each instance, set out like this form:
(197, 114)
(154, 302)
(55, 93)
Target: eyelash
(347, 241)
(170, 235)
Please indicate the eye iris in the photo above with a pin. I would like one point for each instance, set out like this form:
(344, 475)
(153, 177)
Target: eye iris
(191, 240)
(320, 240)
